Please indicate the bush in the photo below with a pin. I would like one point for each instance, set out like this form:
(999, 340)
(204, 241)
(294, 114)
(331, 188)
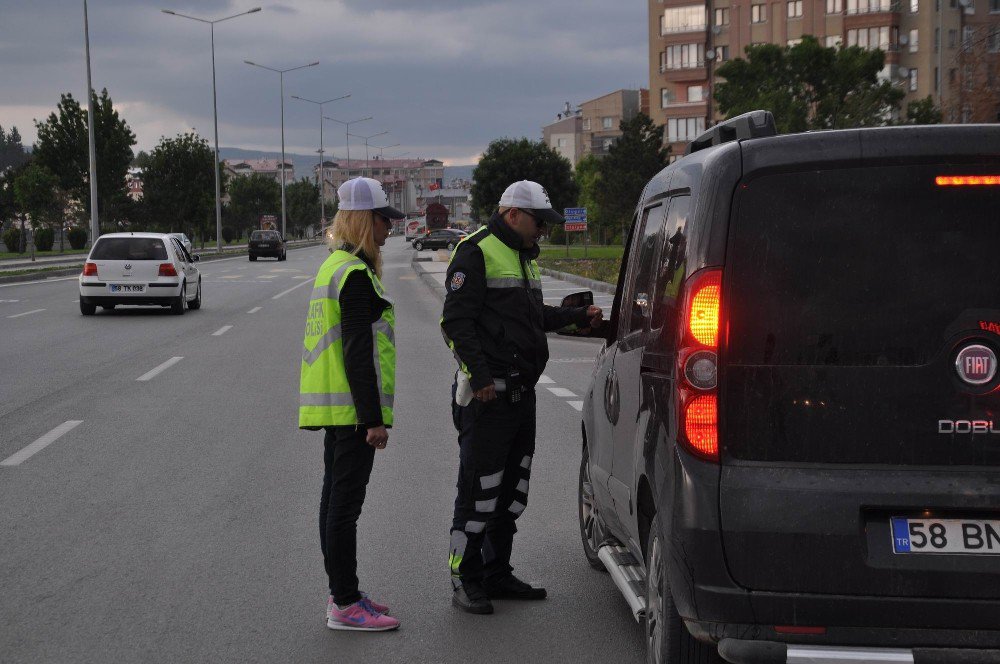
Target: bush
(228, 234)
(12, 238)
(77, 237)
(44, 239)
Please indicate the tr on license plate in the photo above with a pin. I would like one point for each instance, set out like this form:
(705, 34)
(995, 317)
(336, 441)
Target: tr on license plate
(127, 288)
(968, 536)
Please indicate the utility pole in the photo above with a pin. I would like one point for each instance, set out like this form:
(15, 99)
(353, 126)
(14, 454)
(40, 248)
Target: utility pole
(95, 224)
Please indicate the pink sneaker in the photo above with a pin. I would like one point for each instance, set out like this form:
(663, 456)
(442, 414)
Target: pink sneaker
(379, 608)
(360, 617)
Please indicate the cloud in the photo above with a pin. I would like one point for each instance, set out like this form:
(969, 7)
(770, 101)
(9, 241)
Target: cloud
(443, 76)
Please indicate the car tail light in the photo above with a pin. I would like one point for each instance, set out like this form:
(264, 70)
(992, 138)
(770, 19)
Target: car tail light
(90, 269)
(800, 629)
(167, 270)
(697, 364)
(967, 180)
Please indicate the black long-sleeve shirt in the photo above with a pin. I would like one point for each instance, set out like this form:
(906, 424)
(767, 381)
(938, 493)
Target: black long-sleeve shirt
(359, 308)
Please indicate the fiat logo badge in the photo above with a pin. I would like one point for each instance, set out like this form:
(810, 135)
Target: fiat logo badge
(976, 364)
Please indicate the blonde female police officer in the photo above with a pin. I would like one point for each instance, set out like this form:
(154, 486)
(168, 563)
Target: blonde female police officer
(347, 385)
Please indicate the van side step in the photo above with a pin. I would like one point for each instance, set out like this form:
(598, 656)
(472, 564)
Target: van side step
(628, 575)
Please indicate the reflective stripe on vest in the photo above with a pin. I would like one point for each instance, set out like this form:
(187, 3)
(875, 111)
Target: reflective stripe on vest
(324, 391)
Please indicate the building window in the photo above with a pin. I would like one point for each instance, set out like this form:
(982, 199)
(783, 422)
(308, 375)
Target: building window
(695, 93)
(666, 97)
(870, 38)
(684, 56)
(683, 19)
(952, 38)
(937, 39)
(684, 129)
(721, 53)
(914, 37)
(561, 142)
(794, 8)
(834, 6)
(993, 41)
(793, 42)
(722, 16)
(758, 13)
(834, 41)
(913, 79)
(995, 6)
(914, 6)
(937, 79)
(607, 143)
(607, 123)
(586, 124)
(968, 33)
(868, 6)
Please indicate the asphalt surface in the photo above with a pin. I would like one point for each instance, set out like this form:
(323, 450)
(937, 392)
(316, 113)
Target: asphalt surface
(175, 518)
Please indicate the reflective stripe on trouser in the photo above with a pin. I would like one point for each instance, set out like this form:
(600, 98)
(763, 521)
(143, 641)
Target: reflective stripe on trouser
(497, 442)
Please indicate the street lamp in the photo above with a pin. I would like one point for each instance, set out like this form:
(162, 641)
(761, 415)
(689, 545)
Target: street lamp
(281, 77)
(381, 133)
(347, 133)
(95, 224)
(322, 177)
(215, 117)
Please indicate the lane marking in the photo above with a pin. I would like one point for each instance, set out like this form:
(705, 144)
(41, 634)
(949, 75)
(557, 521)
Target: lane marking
(26, 313)
(301, 276)
(561, 392)
(545, 380)
(282, 293)
(153, 373)
(254, 310)
(222, 330)
(18, 457)
(8, 301)
(576, 404)
(230, 276)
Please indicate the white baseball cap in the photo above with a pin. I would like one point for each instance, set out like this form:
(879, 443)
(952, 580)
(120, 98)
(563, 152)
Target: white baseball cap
(366, 194)
(533, 199)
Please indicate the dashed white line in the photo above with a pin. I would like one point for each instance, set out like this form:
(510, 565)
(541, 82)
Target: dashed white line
(576, 404)
(222, 330)
(254, 310)
(545, 380)
(26, 313)
(286, 292)
(153, 373)
(561, 392)
(18, 457)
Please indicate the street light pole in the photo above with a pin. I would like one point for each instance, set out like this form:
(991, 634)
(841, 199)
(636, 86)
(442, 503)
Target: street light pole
(281, 78)
(381, 133)
(322, 168)
(347, 135)
(385, 147)
(215, 117)
(95, 224)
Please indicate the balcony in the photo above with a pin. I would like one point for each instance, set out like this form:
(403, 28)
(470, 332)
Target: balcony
(679, 29)
(873, 7)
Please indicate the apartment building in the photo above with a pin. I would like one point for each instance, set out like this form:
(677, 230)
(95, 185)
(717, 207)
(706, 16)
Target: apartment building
(404, 180)
(595, 125)
(949, 49)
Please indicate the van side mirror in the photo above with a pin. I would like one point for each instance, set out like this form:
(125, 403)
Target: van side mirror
(581, 299)
(195, 258)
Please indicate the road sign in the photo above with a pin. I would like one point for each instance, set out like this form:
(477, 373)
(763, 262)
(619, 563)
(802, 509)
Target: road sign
(576, 220)
(269, 221)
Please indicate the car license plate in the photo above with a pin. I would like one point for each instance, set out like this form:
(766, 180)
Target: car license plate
(965, 536)
(127, 288)
(265, 244)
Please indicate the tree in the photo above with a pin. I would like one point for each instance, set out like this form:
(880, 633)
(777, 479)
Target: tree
(630, 163)
(36, 191)
(923, 112)
(12, 153)
(588, 178)
(8, 202)
(974, 76)
(252, 196)
(302, 203)
(178, 187)
(508, 160)
(63, 147)
(141, 160)
(809, 86)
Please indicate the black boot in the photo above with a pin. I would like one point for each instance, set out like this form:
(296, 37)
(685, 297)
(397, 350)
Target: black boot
(471, 598)
(511, 587)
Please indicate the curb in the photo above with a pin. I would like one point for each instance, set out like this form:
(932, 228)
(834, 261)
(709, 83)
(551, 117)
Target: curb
(592, 284)
(43, 275)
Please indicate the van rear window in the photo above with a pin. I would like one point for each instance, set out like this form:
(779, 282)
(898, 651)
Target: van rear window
(129, 249)
(870, 266)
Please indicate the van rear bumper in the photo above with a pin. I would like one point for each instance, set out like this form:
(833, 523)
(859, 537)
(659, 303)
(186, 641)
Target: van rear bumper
(741, 651)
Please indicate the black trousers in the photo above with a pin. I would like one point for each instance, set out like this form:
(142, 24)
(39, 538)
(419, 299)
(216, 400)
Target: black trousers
(347, 461)
(497, 443)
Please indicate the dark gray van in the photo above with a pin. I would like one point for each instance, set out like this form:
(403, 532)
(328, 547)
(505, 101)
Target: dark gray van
(791, 445)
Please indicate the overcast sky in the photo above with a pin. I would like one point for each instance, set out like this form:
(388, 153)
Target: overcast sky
(444, 77)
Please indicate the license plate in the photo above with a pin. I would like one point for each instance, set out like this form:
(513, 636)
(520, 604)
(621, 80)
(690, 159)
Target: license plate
(264, 244)
(964, 536)
(127, 288)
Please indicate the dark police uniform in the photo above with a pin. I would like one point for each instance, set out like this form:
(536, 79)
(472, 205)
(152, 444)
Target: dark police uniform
(495, 322)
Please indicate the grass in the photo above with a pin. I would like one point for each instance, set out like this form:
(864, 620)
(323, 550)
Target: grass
(600, 269)
(556, 251)
(27, 255)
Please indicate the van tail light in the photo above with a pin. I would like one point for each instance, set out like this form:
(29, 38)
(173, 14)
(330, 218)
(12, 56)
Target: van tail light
(698, 362)
(90, 269)
(967, 180)
(167, 270)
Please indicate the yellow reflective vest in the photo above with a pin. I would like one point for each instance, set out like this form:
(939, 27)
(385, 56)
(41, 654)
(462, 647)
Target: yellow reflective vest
(324, 392)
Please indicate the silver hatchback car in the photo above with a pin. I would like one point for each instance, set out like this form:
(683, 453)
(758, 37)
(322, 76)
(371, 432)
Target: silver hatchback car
(139, 268)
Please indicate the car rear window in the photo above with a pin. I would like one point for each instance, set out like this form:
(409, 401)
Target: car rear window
(129, 249)
(264, 235)
(860, 266)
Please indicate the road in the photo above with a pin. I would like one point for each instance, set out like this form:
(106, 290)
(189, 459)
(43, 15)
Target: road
(174, 518)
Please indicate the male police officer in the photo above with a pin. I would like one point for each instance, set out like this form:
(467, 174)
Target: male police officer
(495, 322)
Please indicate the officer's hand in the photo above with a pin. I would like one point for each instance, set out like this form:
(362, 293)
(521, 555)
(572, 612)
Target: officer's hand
(596, 315)
(377, 437)
(488, 393)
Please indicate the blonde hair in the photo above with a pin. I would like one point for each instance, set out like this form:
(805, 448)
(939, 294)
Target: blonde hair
(355, 227)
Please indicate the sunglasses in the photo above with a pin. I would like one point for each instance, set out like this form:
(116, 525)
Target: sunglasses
(540, 223)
